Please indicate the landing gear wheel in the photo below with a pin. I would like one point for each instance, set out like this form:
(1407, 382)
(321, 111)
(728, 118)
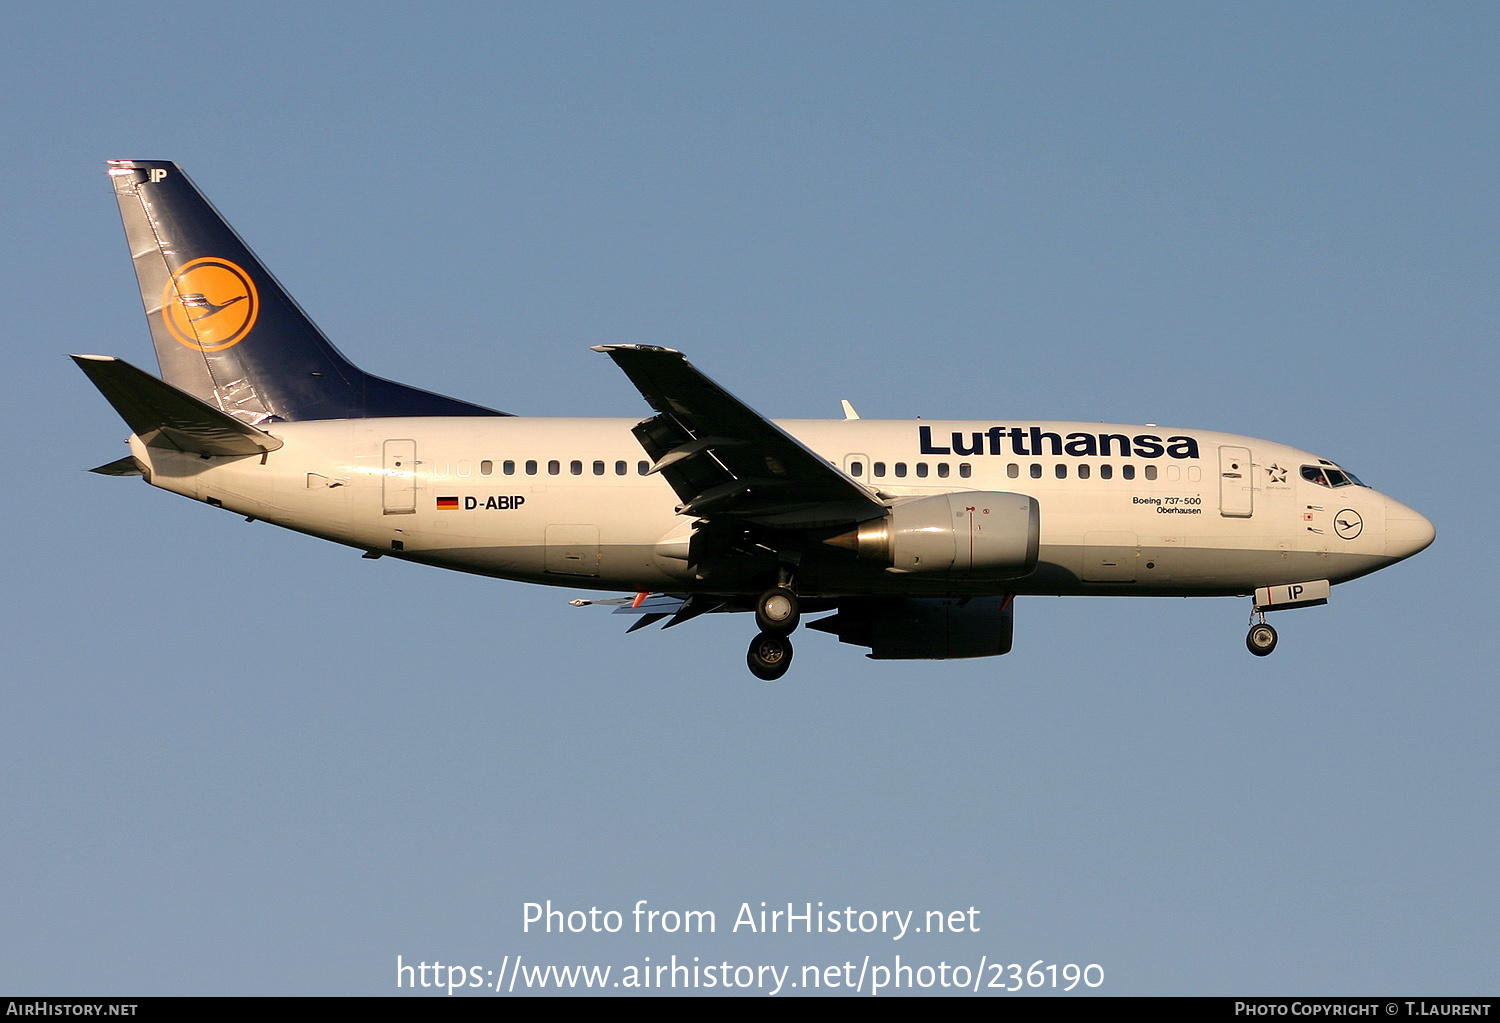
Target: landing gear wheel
(770, 656)
(1262, 639)
(778, 611)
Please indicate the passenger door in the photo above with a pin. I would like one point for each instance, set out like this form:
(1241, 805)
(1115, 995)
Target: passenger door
(1236, 483)
(399, 485)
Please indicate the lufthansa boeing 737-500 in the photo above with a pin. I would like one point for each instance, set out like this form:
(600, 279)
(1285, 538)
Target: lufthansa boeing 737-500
(916, 536)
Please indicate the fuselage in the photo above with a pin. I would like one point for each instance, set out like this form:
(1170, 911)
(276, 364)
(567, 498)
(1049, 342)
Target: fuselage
(1123, 509)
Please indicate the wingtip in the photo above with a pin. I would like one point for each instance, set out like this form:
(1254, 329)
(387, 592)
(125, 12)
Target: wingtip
(606, 349)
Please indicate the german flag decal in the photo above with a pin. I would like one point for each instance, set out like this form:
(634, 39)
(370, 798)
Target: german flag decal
(447, 504)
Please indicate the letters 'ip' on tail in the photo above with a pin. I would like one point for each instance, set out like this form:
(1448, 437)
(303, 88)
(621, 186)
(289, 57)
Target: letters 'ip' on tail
(225, 331)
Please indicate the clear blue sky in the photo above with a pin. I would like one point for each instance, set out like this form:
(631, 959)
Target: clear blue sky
(238, 760)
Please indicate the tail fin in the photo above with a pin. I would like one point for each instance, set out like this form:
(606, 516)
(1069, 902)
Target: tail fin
(225, 331)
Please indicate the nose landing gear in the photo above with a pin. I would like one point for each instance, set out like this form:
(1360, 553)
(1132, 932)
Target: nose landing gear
(1262, 638)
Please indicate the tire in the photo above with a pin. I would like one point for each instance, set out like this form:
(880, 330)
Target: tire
(778, 611)
(770, 656)
(1261, 640)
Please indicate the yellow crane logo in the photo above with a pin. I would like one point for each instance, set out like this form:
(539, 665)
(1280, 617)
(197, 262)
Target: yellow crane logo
(210, 304)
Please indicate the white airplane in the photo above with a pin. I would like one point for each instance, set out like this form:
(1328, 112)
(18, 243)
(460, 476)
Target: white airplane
(916, 535)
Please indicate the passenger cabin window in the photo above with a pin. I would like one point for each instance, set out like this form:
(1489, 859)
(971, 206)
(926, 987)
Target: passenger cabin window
(943, 470)
(856, 469)
(486, 468)
(965, 469)
(1151, 472)
(598, 468)
(900, 468)
(575, 467)
(1036, 471)
(1061, 469)
(878, 468)
(922, 469)
(1106, 472)
(621, 468)
(508, 467)
(554, 467)
(1083, 470)
(531, 467)
(642, 468)
(1127, 472)
(1013, 470)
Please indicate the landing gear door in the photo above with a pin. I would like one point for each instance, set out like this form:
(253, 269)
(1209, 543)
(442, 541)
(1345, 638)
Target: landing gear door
(399, 485)
(1236, 483)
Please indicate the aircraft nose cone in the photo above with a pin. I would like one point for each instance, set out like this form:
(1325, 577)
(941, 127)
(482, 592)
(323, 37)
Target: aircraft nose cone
(1406, 531)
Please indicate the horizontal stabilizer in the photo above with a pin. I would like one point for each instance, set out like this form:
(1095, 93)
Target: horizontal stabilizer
(165, 417)
(126, 466)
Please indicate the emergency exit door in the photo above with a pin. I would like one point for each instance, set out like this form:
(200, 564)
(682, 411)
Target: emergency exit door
(857, 466)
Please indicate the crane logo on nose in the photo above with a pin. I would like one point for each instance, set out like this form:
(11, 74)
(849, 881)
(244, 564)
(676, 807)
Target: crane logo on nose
(1348, 524)
(210, 304)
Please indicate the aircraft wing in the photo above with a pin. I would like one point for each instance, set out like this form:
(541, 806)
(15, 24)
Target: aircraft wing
(725, 460)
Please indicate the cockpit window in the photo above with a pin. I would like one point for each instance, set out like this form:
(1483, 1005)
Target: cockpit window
(1329, 477)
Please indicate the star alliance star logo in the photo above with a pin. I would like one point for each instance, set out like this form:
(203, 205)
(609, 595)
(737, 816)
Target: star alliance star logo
(1278, 474)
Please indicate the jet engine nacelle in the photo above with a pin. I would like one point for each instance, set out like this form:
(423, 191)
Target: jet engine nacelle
(924, 628)
(971, 534)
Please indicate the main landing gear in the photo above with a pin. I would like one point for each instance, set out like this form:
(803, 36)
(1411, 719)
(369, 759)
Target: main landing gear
(777, 612)
(770, 656)
(1262, 638)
